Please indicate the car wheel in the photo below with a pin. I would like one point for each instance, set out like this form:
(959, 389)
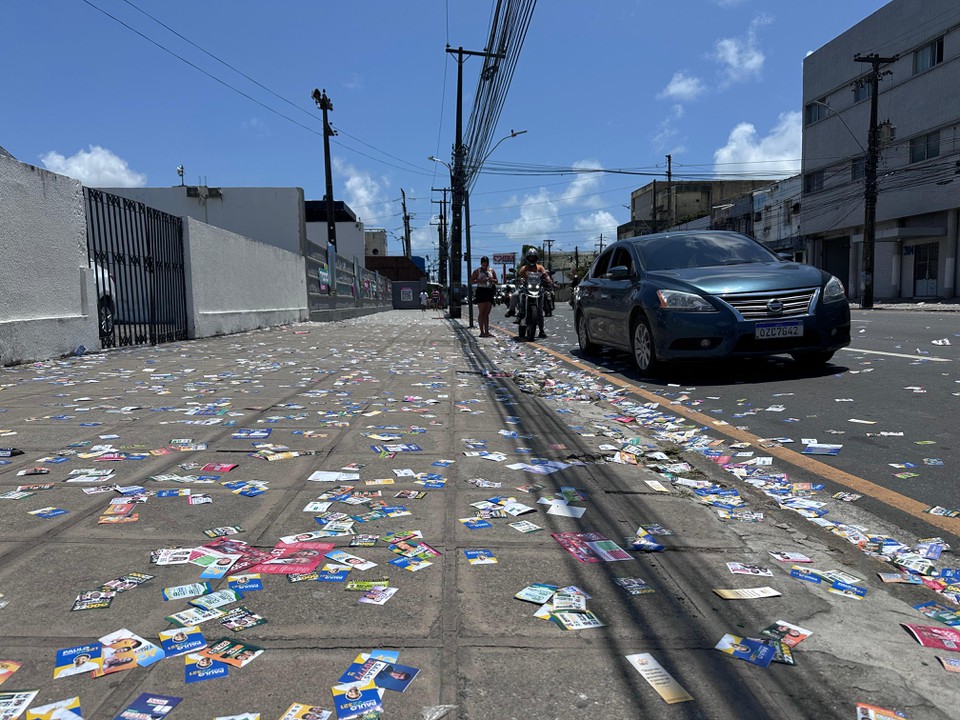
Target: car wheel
(583, 337)
(812, 359)
(644, 354)
(105, 316)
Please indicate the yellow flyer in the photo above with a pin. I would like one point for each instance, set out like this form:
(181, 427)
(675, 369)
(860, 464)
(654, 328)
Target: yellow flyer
(659, 679)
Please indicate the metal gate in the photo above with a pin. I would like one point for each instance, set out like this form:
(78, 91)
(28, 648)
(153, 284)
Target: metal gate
(137, 256)
(926, 261)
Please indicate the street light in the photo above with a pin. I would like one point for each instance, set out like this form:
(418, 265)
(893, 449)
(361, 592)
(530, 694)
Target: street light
(470, 174)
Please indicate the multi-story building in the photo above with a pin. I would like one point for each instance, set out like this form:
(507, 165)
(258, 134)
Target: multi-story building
(660, 205)
(918, 130)
(776, 217)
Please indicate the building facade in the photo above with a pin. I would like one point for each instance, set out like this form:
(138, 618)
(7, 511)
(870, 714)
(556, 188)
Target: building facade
(918, 131)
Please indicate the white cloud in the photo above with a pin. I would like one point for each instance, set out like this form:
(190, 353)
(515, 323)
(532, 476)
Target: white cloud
(682, 87)
(366, 195)
(741, 58)
(667, 138)
(538, 218)
(583, 189)
(96, 167)
(595, 223)
(775, 155)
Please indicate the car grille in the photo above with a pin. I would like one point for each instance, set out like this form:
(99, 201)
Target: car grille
(754, 306)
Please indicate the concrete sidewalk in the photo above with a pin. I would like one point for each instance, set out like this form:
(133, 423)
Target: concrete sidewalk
(436, 401)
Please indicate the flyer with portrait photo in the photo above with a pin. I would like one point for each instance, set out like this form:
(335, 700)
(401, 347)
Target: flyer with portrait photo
(181, 641)
(299, 711)
(787, 633)
(78, 660)
(353, 701)
(752, 650)
(198, 668)
(233, 652)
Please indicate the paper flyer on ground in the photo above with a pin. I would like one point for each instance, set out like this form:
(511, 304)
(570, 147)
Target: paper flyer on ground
(8, 668)
(68, 709)
(746, 593)
(299, 711)
(233, 652)
(659, 679)
(941, 638)
(752, 650)
(199, 668)
(78, 659)
(591, 547)
(181, 641)
(355, 701)
(149, 707)
(12, 704)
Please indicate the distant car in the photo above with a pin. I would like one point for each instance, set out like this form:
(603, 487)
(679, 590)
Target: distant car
(702, 295)
(106, 300)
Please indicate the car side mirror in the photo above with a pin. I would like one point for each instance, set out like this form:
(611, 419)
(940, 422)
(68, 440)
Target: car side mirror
(785, 256)
(620, 272)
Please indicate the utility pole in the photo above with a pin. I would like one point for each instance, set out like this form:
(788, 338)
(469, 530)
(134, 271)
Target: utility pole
(406, 225)
(653, 208)
(576, 256)
(600, 243)
(870, 179)
(458, 179)
(549, 243)
(324, 103)
(671, 204)
(442, 262)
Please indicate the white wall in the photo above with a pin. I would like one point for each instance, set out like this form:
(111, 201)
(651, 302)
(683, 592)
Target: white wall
(271, 215)
(236, 284)
(47, 292)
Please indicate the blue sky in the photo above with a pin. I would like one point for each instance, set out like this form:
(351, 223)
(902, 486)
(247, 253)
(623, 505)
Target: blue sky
(612, 84)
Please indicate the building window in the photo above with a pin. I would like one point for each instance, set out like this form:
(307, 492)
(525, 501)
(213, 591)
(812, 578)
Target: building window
(857, 168)
(862, 91)
(925, 147)
(817, 110)
(813, 182)
(928, 56)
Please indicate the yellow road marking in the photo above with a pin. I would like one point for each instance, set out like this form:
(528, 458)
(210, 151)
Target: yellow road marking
(911, 507)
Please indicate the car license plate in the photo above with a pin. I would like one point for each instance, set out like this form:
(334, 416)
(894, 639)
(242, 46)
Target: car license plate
(771, 330)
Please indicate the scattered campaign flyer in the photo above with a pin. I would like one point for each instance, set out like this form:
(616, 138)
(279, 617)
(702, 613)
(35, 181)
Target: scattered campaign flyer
(68, 709)
(184, 592)
(873, 712)
(12, 704)
(634, 586)
(355, 701)
(233, 652)
(149, 707)
(591, 547)
(395, 677)
(78, 660)
(194, 616)
(538, 593)
(524, 526)
(941, 638)
(94, 600)
(659, 679)
(480, 557)
(787, 633)
(950, 664)
(199, 668)
(126, 582)
(8, 668)
(121, 646)
(577, 620)
(247, 716)
(377, 595)
(299, 711)
(743, 569)
(217, 599)
(181, 641)
(750, 649)
(345, 558)
(241, 618)
(939, 612)
(790, 557)
(245, 583)
(747, 593)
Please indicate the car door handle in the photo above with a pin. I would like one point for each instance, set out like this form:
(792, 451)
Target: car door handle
(604, 296)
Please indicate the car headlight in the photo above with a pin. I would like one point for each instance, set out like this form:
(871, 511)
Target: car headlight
(683, 301)
(834, 290)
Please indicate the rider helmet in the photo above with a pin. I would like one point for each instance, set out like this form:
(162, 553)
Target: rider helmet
(532, 257)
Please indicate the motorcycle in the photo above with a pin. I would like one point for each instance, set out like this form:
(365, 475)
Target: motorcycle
(549, 303)
(530, 307)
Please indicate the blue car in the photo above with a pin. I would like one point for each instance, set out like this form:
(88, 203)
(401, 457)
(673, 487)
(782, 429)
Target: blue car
(708, 294)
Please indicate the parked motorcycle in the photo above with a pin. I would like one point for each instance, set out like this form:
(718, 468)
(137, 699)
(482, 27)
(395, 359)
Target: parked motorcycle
(530, 306)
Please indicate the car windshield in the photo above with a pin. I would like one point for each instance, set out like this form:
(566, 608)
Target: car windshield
(675, 251)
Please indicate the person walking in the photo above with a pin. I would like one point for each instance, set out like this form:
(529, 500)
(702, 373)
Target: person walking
(485, 280)
(423, 300)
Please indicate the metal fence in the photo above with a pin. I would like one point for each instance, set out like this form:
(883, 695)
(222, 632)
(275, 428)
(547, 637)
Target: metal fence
(335, 282)
(137, 256)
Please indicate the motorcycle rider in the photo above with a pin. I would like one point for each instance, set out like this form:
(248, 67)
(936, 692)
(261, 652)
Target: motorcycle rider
(532, 265)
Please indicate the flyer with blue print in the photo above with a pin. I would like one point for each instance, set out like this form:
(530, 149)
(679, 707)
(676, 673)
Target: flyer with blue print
(198, 668)
(79, 659)
(181, 641)
(149, 707)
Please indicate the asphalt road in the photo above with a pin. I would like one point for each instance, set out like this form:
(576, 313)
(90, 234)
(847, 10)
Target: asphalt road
(888, 399)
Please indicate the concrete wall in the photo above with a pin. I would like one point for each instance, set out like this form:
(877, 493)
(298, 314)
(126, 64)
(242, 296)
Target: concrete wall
(236, 284)
(273, 216)
(47, 292)
(350, 238)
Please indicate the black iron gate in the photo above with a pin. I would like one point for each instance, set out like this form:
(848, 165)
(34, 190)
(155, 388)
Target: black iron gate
(137, 256)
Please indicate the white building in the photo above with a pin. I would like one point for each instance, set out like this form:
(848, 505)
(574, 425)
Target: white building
(916, 238)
